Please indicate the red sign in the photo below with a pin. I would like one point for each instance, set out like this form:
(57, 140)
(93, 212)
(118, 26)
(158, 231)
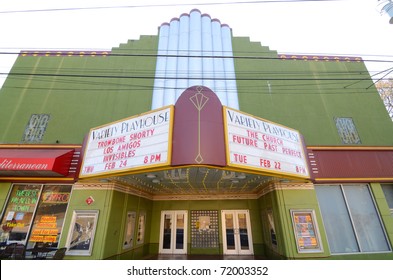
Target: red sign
(89, 200)
(26, 163)
(33, 162)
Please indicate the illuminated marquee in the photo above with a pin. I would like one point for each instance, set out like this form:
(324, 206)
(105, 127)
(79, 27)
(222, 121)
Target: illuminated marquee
(254, 143)
(135, 143)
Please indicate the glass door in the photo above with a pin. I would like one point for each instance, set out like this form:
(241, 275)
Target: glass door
(236, 228)
(173, 232)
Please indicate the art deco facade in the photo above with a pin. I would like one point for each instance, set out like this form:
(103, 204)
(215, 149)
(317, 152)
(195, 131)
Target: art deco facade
(195, 142)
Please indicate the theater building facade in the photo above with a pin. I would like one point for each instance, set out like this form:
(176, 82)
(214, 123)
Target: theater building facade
(195, 142)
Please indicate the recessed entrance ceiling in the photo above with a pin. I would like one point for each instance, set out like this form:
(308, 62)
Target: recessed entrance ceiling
(194, 181)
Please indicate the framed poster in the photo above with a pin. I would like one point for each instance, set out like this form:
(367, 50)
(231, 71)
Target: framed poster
(272, 229)
(306, 231)
(81, 235)
(129, 230)
(141, 228)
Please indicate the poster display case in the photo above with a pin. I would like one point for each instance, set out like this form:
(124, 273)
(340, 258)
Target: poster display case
(306, 231)
(129, 230)
(141, 228)
(81, 235)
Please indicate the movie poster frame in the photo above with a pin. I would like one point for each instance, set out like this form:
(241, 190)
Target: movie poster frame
(306, 231)
(81, 218)
(128, 241)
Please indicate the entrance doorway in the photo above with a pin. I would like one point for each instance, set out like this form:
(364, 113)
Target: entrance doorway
(173, 232)
(236, 229)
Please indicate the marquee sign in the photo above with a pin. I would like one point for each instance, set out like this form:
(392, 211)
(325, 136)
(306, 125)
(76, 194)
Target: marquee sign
(137, 142)
(257, 144)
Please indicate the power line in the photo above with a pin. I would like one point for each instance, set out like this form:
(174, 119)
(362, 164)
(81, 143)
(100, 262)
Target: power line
(177, 78)
(163, 5)
(330, 86)
(113, 73)
(253, 57)
(332, 81)
(143, 89)
(108, 72)
(92, 49)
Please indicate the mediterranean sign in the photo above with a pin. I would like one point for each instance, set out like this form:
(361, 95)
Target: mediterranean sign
(254, 143)
(137, 142)
(36, 164)
(33, 162)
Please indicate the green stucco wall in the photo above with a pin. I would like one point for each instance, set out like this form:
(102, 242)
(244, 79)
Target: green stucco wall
(78, 92)
(308, 95)
(280, 203)
(383, 209)
(109, 236)
(81, 92)
(113, 206)
(299, 200)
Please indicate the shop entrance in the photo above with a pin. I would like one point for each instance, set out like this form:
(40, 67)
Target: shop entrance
(173, 232)
(236, 229)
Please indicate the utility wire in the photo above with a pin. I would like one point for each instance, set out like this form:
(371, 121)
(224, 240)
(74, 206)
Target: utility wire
(386, 70)
(253, 57)
(176, 78)
(20, 51)
(114, 70)
(382, 78)
(163, 5)
(97, 81)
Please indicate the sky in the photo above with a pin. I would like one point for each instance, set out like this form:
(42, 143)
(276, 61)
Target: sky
(324, 27)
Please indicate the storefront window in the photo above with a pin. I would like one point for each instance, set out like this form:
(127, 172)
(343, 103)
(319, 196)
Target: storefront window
(351, 219)
(18, 214)
(50, 214)
(34, 213)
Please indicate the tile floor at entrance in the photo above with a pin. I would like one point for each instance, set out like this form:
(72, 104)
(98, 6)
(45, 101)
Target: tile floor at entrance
(204, 257)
